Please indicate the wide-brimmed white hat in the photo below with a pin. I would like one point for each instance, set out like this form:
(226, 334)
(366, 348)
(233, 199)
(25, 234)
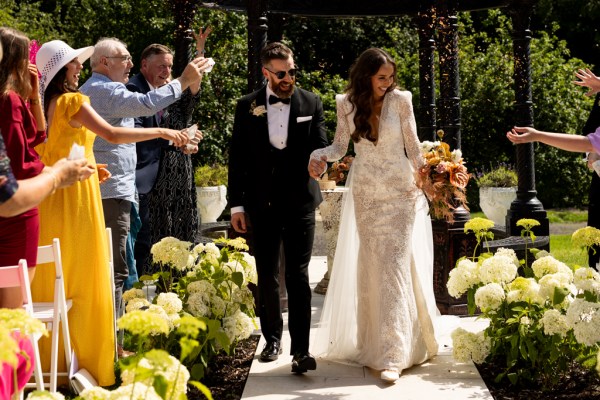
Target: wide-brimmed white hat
(54, 55)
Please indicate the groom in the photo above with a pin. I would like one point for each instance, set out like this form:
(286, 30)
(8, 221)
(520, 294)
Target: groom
(275, 130)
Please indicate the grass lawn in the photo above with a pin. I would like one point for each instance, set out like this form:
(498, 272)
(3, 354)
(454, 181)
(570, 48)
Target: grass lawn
(562, 249)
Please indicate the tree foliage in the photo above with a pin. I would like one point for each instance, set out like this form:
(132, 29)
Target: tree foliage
(324, 51)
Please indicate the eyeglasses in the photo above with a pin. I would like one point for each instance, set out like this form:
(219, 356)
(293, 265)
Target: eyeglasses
(123, 58)
(281, 74)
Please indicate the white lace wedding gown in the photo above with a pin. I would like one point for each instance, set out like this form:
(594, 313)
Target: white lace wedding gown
(380, 314)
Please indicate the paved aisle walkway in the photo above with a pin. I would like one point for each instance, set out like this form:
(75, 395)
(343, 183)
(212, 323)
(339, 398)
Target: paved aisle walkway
(440, 378)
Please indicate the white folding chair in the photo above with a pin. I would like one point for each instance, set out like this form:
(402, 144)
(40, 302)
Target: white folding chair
(111, 267)
(17, 276)
(55, 314)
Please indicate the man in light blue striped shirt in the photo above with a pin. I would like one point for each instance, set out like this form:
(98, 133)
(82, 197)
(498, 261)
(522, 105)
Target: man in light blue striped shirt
(111, 64)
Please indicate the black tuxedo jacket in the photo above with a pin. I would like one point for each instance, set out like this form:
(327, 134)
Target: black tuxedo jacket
(252, 157)
(149, 151)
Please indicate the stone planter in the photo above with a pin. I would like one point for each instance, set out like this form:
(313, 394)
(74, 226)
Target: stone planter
(211, 202)
(495, 202)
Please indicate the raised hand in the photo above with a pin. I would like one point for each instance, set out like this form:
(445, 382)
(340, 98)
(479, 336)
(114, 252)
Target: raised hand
(519, 135)
(201, 39)
(589, 80)
(35, 82)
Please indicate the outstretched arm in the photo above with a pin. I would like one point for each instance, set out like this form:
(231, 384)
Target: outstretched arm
(564, 141)
(94, 122)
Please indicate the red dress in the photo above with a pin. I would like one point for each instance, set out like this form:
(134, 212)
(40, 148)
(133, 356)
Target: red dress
(19, 235)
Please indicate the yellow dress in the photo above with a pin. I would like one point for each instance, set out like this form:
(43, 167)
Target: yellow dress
(75, 216)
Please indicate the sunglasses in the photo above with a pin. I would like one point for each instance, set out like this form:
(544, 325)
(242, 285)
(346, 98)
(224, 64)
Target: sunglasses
(281, 74)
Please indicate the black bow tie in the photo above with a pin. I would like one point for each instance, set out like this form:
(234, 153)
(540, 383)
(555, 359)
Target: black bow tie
(275, 100)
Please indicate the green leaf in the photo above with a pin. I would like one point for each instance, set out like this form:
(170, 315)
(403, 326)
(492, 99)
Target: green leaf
(238, 278)
(161, 385)
(197, 371)
(203, 389)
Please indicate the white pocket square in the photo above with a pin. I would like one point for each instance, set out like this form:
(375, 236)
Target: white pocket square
(303, 119)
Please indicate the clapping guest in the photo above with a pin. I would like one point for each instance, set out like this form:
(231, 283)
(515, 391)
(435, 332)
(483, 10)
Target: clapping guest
(72, 121)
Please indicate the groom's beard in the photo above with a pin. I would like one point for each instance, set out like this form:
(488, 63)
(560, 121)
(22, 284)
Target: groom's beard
(283, 89)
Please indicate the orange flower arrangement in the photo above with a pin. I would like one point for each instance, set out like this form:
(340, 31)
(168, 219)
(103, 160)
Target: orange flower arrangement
(443, 178)
(338, 171)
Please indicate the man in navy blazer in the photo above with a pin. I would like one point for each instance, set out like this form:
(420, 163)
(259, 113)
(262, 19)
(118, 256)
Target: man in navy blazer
(155, 71)
(275, 130)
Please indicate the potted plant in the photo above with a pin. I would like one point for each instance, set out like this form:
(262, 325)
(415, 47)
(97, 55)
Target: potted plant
(211, 191)
(497, 190)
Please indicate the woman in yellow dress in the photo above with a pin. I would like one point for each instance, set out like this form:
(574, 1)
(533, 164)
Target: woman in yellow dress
(75, 215)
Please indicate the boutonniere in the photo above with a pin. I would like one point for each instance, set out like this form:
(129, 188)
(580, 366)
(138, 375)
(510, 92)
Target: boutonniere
(257, 111)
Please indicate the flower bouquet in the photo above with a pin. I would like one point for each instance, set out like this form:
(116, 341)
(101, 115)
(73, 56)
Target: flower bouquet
(336, 174)
(443, 178)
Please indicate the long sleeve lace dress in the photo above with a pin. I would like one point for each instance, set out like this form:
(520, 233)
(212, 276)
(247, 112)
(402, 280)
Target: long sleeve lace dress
(380, 315)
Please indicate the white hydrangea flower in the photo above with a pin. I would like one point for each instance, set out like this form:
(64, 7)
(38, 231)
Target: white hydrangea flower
(243, 296)
(133, 294)
(559, 280)
(524, 289)
(158, 310)
(137, 391)
(587, 279)
(176, 375)
(218, 307)
(549, 265)
(235, 266)
(489, 297)
(211, 248)
(198, 249)
(464, 276)
(136, 304)
(427, 145)
(525, 320)
(502, 251)
(44, 395)
(469, 346)
(584, 318)
(498, 269)
(173, 252)
(202, 286)
(238, 326)
(554, 323)
(95, 393)
(197, 306)
(170, 302)
(251, 274)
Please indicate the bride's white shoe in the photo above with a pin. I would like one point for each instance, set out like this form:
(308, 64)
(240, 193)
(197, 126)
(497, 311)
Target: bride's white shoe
(390, 375)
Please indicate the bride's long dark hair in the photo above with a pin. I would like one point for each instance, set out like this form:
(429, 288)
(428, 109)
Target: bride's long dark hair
(360, 90)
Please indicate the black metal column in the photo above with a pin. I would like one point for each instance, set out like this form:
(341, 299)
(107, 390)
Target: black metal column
(257, 39)
(426, 20)
(184, 12)
(526, 205)
(449, 101)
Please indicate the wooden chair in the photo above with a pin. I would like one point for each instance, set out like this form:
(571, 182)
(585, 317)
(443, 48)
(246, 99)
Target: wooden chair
(17, 276)
(55, 314)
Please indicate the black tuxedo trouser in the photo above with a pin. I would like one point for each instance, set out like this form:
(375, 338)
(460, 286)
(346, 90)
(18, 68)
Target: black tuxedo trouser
(271, 227)
(594, 217)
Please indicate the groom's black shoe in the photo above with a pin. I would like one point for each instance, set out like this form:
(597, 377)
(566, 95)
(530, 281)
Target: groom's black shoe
(271, 351)
(303, 362)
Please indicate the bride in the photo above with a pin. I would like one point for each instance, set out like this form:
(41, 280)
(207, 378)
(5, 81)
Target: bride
(380, 303)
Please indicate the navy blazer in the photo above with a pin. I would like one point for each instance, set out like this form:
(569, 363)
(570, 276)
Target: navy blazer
(251, 154)
(149, 151)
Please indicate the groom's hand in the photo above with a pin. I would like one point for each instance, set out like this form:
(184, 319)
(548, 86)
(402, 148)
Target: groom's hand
(238, 221)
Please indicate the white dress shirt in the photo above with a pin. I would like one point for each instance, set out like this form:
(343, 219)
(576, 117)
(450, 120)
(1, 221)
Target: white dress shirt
(278, 115)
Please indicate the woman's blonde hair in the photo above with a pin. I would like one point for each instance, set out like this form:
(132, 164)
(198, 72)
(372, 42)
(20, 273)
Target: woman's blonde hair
(14, 73)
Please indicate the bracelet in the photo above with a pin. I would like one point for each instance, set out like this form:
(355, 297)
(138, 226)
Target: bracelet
(34, 102)
(54, 180)
(200, 52)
